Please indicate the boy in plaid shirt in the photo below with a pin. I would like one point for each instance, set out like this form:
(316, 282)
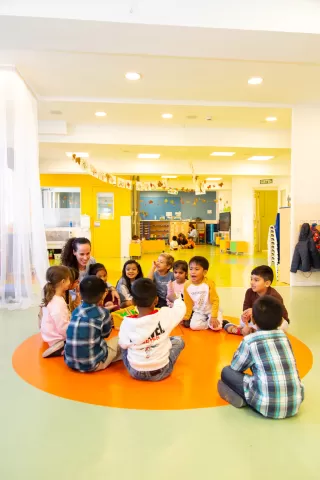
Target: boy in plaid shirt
(86, 349)
(274, 389)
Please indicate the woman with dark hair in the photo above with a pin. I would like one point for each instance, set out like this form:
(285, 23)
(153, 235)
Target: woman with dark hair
(193, 234)
(131, 271)
(182, 241)
(77, 254)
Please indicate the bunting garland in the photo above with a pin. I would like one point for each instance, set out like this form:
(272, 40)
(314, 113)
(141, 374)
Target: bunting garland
(140, 186)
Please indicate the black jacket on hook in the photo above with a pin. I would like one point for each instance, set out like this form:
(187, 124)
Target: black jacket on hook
(305, 254)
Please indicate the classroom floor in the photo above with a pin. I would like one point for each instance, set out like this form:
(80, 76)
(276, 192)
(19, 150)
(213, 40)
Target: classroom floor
(49, 436)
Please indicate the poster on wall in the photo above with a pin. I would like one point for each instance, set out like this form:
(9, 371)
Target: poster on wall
(129, 184)
(112, 179)
(121, 182)
(139, 186)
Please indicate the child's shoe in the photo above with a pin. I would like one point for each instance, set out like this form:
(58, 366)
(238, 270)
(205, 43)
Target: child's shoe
(230, 396)
(232, 328)
(55, 351)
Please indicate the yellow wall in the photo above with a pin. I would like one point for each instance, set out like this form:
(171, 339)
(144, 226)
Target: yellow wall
(87, 184)
(268, 209)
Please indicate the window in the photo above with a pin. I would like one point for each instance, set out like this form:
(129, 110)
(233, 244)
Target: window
(61, 206)
(105, 206)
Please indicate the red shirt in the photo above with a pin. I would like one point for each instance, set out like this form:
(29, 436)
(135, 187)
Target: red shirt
(251, 297)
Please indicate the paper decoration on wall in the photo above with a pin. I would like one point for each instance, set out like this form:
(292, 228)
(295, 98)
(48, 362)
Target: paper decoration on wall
(112, 179)
(166, 200)
(121, 183)
(147, 186)
(210, 186)
(139, 186)
(150, 201)
(129, 184)
(215, 201)
(173, 191)
(221, 184)
(172, 202)
(162, 184)
(209, 212)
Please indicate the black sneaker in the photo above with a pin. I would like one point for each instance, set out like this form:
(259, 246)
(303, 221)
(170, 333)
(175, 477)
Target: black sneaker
(230, 396)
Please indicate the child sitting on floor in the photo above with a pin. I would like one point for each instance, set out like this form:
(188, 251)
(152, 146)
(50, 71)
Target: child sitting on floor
(180, 272)
(149, 353)
(73, 294)
(274, 389)
(112, 298)
(190, 244)
(55, 315)
(174, 244)
(161, 275)
(201, 298)
(86, 349)
(131, 271)
(261, 280)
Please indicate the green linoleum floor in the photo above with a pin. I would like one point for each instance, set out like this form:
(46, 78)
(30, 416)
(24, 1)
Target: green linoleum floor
(46, 437)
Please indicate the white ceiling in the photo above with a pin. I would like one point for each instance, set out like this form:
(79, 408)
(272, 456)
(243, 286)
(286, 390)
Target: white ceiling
(140, 114)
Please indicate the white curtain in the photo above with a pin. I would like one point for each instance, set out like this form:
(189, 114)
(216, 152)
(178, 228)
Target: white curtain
(23, 254)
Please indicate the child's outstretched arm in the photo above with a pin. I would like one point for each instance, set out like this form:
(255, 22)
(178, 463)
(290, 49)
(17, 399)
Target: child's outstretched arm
(188, 301)
(177, 312)
(153, 269)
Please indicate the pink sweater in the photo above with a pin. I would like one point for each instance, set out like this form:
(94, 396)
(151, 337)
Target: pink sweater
(55, 320)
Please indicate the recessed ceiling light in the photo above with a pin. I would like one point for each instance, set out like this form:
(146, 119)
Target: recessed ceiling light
(167, 115)
(169, 176)
(261, 158)
(271, 119)
(222, 154)
(255, 81)
(79, 154)
(214, 179)
(133, 76)
(100, 114)
(149, 155)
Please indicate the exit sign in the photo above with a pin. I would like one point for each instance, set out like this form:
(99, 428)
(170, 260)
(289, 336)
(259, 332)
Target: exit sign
(266, 181)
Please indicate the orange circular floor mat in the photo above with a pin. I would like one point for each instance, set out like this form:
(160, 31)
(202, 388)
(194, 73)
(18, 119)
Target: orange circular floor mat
(193, 383)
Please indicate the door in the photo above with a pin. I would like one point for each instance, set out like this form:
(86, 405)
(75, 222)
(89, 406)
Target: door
(106, 230)
(266, 213)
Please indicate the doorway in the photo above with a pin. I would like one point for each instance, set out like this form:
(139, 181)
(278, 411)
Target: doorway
(266, 209)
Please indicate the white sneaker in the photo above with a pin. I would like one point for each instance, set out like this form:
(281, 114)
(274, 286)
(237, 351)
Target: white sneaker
(55, 351)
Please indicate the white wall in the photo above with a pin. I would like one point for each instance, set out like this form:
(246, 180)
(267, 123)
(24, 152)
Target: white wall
(305, 169)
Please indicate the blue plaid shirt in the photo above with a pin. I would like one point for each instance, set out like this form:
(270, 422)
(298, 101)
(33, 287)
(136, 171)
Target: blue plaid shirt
(85, 345)
(274, 389)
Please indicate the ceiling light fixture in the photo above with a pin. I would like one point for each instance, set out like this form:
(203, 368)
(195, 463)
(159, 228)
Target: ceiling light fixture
(213, 179)
(133, 76)
(149, 155)
(169, 176)
(261, 158)
(100, 114)
(222, 154)
(78, 154)
(167, 115)
(271, 119)
(255, 81)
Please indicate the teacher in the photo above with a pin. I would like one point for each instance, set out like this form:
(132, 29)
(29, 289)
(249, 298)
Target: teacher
(192, 232)
(77, 254)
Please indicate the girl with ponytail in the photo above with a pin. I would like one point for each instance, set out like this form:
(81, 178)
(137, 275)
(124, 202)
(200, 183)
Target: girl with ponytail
(77, 254)
(55, 313)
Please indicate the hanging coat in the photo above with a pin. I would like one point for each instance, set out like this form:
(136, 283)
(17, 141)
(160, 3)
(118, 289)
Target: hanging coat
(305, 254)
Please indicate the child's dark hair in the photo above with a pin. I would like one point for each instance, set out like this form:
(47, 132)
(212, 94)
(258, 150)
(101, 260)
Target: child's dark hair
(74, 275)
(124, 275)
(95, 268)
(67, 257)
(135, 237)
(169, 259)
(54, 276)
(264, 272)
(92, 289)
(202, 261)
(174, 238)
(267, 313)
(144, 292)
(181, 264)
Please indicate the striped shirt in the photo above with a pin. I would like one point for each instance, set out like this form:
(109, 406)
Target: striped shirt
(85, 345)
(274, 389)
